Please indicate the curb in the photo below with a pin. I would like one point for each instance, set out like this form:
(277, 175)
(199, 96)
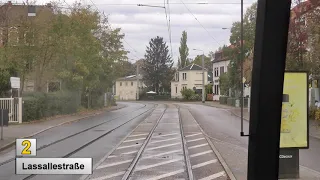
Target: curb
(8, 145)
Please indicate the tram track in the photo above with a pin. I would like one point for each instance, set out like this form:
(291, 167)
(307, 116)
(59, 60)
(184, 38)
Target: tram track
(95, 139)
(79, 132)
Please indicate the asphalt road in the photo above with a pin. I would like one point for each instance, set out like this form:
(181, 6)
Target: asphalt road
(219, 124)
(224, 128)
(134, 111)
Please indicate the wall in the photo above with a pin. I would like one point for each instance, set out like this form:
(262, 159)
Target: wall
(175, 94)
(216, 78)
(194, 79)
(126, 92)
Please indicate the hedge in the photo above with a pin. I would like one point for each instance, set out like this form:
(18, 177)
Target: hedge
(223, 99)
(40, 105)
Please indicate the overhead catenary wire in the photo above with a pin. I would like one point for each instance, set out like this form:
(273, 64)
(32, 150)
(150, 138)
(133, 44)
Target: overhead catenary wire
(173, 3)
(168, 23)
(199, 22)
(123, 39)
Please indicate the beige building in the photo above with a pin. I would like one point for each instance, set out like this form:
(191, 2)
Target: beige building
(126, 87)
(189, 77)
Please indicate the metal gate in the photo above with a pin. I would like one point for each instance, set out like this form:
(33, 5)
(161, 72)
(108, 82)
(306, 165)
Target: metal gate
(14, 105)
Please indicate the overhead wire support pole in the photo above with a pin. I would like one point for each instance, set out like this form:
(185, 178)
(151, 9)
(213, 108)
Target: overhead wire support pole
(241, 70)
(270, 49)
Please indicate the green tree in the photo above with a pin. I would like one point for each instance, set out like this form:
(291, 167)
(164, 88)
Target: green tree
(184, 51)
(224, 84)
(157, 63)
(207, 62)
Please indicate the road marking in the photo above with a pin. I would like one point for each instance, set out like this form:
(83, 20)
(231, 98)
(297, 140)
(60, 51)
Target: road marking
(204, 164)
(157, 164)
(200, 145)
(131, 152)
(167, 174)
(214, 176)
(134, 140)
(114, 164)
(135, 135)
(112, 156)
(193, 135)
(123, 147)
(169, 152)
(126, 153)
(110, 176)
(152, 142)
(202, 153)
(165, 135)
(193, 140)
(159, 147)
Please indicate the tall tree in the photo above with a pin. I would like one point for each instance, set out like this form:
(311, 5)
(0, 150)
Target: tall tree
(207, 62)
(157, 64)
(297, 38)
(183, 50)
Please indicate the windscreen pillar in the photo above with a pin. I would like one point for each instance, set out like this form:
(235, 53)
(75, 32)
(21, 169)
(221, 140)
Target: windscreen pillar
(267, 88)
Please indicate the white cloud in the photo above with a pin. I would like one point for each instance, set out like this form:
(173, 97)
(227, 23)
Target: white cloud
(140, 24)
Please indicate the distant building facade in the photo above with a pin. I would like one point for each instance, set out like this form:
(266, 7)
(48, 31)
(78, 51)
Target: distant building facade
(189, 77)
(126, 88)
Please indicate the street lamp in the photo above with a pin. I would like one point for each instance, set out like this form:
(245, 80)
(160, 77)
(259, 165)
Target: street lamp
(241, 68)
(203, 88)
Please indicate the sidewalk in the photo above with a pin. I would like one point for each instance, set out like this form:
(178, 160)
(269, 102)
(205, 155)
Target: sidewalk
(314, 128)
(30, 129)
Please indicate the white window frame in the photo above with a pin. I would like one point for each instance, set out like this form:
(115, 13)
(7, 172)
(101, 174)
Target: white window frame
(9, 36)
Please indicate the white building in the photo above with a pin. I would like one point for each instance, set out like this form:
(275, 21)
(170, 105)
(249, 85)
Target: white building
(189, 77)
(220, 66)
(126, 87)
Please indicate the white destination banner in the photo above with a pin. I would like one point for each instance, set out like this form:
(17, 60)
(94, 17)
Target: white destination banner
(53, 165)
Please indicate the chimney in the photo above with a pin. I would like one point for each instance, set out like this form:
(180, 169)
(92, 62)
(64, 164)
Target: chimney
(49, 5)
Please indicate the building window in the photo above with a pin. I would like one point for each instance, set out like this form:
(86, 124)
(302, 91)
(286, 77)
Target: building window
(120, 83)
(13, 36)
(176, 89)
(177, 76)
(126, 83)
(29, 38)
(131, 83)
(1, 37)
(184, 76)
(218, 90)
(216, 72)
(222, 70)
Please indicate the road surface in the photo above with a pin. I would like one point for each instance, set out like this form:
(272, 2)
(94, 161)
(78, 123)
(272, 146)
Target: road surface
(153, 140)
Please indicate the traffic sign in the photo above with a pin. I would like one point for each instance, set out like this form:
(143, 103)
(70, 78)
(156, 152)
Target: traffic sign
(15, 82)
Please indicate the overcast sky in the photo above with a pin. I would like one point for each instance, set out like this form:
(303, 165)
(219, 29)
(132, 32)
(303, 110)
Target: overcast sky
(140, 24)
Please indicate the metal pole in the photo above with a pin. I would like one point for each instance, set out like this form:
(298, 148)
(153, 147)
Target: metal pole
(203, 89)
(1, 124)
(137, 80)
(241, 68)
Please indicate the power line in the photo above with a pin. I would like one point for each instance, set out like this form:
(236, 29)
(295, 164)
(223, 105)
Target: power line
(199, 22)
(135, 4)
(123, 39)
(168, 25)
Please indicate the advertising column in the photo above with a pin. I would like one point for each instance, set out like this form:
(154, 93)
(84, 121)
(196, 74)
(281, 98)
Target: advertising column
(294, 123)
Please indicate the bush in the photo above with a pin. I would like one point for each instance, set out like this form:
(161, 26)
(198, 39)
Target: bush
(317, 115)
(195, 97)
(312, 112)
(223, 99)
(187, 94)
(231, 101)
(40, 105)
